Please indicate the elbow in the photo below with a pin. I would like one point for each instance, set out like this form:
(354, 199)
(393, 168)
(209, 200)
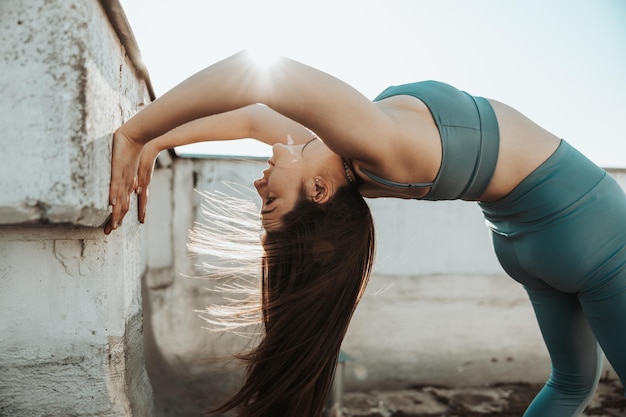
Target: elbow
(255, 119)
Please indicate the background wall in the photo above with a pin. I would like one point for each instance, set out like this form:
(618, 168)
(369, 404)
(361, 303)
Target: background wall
(77, 306)
(71, 337)
(438, 309)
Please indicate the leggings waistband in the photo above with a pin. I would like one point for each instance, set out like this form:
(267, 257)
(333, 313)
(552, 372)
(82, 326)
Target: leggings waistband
(560, 181)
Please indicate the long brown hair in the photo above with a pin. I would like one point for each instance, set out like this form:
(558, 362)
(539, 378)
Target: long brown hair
(314, 271)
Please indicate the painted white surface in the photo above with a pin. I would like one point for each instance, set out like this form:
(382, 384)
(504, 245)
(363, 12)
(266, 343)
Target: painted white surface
(438, 309)
(70, 318)
(71, 337)
(65, 85)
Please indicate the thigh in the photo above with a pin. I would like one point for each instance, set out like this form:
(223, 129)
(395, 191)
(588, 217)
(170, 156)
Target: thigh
(605, 308)
(602, 292)
(576, 358)
(568, 336)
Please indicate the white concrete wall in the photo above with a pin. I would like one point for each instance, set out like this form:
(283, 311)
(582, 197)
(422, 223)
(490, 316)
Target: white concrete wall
(71, 340)
(438, 309)
(189, 366)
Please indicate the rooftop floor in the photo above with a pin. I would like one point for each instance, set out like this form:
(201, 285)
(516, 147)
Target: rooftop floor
(502, 400)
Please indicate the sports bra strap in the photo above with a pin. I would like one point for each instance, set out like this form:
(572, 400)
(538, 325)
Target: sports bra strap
(393, 183)
(469, 140)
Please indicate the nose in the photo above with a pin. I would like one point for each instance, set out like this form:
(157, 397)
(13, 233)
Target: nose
(260, 182)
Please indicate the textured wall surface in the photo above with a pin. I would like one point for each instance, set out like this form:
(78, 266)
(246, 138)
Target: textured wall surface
(438, 309)
(71, 331)
(65, 84)
(71, 328)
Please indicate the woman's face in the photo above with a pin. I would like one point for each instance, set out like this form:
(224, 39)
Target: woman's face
(292, 170)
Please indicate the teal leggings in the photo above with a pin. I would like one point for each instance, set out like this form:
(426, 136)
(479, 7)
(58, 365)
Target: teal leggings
(562, 234)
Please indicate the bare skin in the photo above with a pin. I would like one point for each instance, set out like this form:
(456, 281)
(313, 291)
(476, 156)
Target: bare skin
(396, 138)
(524, 145)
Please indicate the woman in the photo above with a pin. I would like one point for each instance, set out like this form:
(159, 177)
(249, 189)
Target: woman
(427, 140)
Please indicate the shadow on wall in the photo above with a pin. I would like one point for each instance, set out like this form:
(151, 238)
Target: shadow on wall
(188, 379)
(191, 368)
(461, 325)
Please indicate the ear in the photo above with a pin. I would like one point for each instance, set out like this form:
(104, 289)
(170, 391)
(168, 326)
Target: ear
(323, 191)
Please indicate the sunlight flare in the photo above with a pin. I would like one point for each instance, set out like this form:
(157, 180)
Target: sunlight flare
(263, 56)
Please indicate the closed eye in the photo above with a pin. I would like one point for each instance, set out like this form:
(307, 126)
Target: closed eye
(307, 144)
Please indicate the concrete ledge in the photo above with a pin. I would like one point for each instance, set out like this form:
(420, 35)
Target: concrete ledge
(71, 334)
(67, 83)
(71, 328)
(441, 329)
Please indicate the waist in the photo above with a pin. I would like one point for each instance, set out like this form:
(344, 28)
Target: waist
(558, 183)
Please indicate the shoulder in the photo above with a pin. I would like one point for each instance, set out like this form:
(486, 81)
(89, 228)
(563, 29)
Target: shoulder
(408, 143)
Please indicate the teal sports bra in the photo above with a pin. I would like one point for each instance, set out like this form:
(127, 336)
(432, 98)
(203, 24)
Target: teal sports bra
(470, 140)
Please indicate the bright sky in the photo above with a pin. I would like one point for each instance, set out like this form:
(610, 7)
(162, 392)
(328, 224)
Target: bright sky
(561, 62)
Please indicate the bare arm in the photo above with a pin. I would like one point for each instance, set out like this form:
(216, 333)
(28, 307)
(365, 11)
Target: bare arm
(213, 98)
(254, 121)
(323, 103)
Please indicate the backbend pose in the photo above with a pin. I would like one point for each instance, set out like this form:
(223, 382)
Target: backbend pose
(558, 221)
